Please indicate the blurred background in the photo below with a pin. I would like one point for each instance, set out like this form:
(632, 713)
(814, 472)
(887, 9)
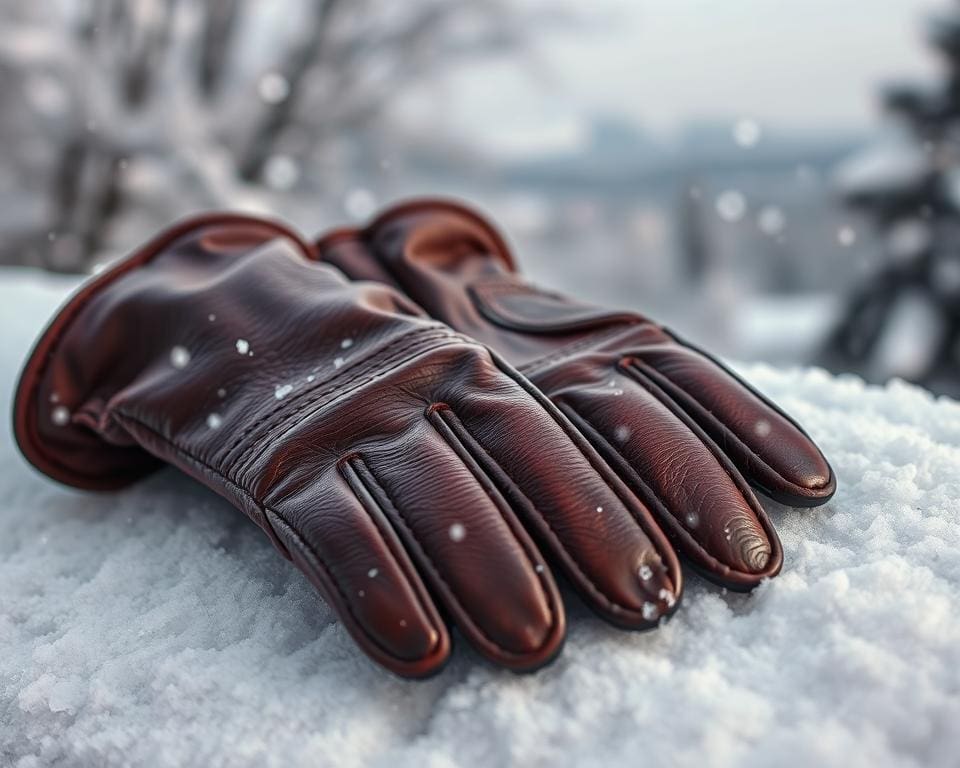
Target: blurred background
(776, 181)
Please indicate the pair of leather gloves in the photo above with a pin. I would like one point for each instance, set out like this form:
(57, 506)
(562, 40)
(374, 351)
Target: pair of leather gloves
(429, 438)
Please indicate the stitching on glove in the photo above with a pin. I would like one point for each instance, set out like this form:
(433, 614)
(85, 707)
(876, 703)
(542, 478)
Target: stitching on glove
(188, 456)
(486, 295)
(352, 476)
(536, 366)
(138, 259)
(729, 434)
(636, 370)
(315, 560)
(597, 593)
(637, 483)
(375, 488)
(414, 340)
(641, 368)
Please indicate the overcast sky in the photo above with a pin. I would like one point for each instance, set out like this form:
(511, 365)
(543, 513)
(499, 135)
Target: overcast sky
(796, 63)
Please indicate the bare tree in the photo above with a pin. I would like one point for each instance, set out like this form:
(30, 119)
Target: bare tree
(160, 112)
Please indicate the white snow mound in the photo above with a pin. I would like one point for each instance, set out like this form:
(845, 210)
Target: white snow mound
(157, 626)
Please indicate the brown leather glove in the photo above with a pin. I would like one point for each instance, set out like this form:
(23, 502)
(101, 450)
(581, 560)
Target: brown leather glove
(389, 457)
(680, 429)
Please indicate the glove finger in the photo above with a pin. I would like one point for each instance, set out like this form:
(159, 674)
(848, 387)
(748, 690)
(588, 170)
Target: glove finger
(768, 447)
(594, 528)
(701, 501)
(341, 540)
(476, 557)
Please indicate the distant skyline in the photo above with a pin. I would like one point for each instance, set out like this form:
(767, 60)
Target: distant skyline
(794, 64)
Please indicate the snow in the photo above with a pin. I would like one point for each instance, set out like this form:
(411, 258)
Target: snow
(156, 626)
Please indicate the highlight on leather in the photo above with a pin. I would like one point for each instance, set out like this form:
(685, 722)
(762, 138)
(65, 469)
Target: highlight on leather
(417, 480)
(682, 431)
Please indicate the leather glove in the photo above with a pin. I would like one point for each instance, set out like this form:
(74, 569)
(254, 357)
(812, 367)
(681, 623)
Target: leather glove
(681, 430)
(402, 467)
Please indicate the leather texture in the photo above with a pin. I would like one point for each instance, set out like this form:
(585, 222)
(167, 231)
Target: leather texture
(683, 432)
(415, 477)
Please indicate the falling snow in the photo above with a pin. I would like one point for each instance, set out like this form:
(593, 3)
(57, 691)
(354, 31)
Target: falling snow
(731, 205)
(273, 88)
(179, 357)
(846, 236)
(281, 172)
(360, 203)
(762, 428)
(746, 133)
(771, 220)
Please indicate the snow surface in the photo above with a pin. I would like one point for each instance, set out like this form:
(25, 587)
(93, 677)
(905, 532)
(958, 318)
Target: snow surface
(158, 627)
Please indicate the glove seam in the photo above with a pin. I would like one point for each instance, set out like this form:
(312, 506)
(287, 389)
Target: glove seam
(281, 414)
(402, 518)
(763, 399)
(184, 453)
(638, 484)
(486, 292)
(599, 595)
(632, 367)
(648, 372)
(536, 366)
(52, 337)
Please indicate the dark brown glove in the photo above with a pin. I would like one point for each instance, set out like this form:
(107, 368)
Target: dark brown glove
(680, 429)
(391, 458)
